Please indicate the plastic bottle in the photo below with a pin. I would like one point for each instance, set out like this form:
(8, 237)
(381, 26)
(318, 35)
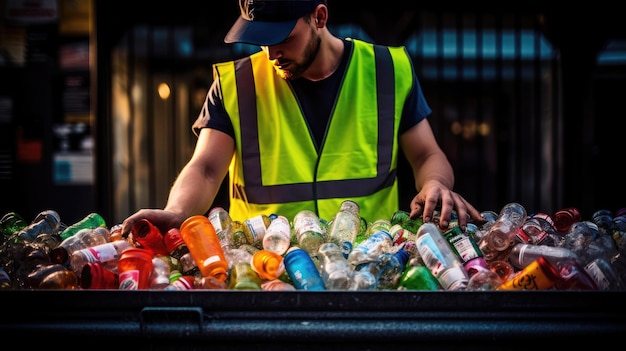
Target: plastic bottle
(308, 230)
(418, 277)
(95, 276)
(52, 276)
(500, 236)
(538, 275)
(573, 276)
(336, 271)
(185, 282)
(390, 267)
(108, 254)
(466, 248)
(371, 248)
(10, 224)
(439, 257)
(47, 221)
(484, 280)
(223, 225)
(538, 236)
(91, 221)
(604, 275)
(345, 226)
(238, 235)
(404, 219)
(161, 270)
(146, 235)
(523, 254)
(277, 285)
(5, 280)
(277, 237)
(254, 228)
(83, 238)
(203, 243)
(243, 277)
(564, 218)
(134, 268)
(302, 270)
(267, 264)
(179, 252)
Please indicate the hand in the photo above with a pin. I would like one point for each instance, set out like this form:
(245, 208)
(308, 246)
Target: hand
(435, 194)
(164, 220)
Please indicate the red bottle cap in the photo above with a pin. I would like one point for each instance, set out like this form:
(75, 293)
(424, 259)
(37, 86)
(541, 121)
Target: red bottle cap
(173, 239)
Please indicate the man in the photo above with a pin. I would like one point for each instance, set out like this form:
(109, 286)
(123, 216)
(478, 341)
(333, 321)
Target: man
(307, 122)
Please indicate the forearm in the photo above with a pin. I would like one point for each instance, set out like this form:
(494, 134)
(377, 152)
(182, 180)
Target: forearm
(192, 193)
(434, 167)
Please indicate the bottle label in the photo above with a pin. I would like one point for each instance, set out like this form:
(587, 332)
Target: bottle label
(431, 255)
(346, 248)
(306, 224)
(101, 253)
(129, 280)
(257, 227)
(596, 273)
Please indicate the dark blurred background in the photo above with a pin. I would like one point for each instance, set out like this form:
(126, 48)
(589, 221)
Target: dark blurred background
(97, 98)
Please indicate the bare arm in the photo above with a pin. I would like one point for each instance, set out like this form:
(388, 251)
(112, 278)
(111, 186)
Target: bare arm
(196, 186)
(434, 178)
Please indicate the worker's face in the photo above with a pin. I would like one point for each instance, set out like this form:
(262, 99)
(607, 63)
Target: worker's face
(296, 53)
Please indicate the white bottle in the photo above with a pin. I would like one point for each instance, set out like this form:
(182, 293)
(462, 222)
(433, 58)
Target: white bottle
(438, 256)
(277, 237)
(108, 254)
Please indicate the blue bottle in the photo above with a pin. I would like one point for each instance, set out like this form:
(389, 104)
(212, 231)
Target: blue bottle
(302, 270)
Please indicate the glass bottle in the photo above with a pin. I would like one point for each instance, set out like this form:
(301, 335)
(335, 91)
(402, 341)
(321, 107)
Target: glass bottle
(134, 268)
(439, 257)
(108, 254)
(179, 252)
(308, 230)
(148, 236)
(345, 226)
(91, 221)
(302, 270)
(336, 271)
(267, 264)
(47, 221)
(277, 237)
(203, 243)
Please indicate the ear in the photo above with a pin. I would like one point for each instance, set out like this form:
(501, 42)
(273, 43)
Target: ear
(320, 15)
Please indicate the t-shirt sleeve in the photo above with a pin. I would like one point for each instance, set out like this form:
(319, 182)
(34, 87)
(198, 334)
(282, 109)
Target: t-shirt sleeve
(213, 114)
(416, 107)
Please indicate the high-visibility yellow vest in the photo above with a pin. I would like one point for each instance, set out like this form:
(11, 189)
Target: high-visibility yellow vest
(277, 169)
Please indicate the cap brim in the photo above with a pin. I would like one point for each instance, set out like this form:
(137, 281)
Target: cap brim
(259, 33)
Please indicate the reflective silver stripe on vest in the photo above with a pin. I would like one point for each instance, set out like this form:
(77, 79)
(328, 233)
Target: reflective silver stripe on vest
(257, 193)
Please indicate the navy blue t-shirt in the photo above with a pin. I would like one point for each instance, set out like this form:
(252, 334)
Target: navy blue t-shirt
(316, 99)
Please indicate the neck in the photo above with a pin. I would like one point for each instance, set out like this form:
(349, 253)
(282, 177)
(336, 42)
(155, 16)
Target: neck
(327, 60)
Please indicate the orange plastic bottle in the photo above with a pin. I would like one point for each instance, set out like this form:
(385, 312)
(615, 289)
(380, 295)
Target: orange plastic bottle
(134, 269)
(204, 245)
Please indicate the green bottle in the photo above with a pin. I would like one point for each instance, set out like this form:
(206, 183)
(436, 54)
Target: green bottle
(10, 224)
(91, 221)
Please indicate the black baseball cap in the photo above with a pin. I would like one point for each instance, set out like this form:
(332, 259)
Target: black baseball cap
(268, 22)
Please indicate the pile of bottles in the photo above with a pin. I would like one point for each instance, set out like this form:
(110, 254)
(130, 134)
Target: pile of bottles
(510, 250)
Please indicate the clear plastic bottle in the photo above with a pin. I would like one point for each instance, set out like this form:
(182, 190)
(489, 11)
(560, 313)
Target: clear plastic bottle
(308, 230)
(439, 257)
(243, 277)
(108, 254)
(500, 236)
(254, 228)
(82, 239)
(523, 254)
(203, 243)
(47, 221)
(604, 275)
(91, 221)
(336, 271)
(302, 270)
(223, 224)
(345, 226)
(277, 237)
(371, 248)
(161, 270)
